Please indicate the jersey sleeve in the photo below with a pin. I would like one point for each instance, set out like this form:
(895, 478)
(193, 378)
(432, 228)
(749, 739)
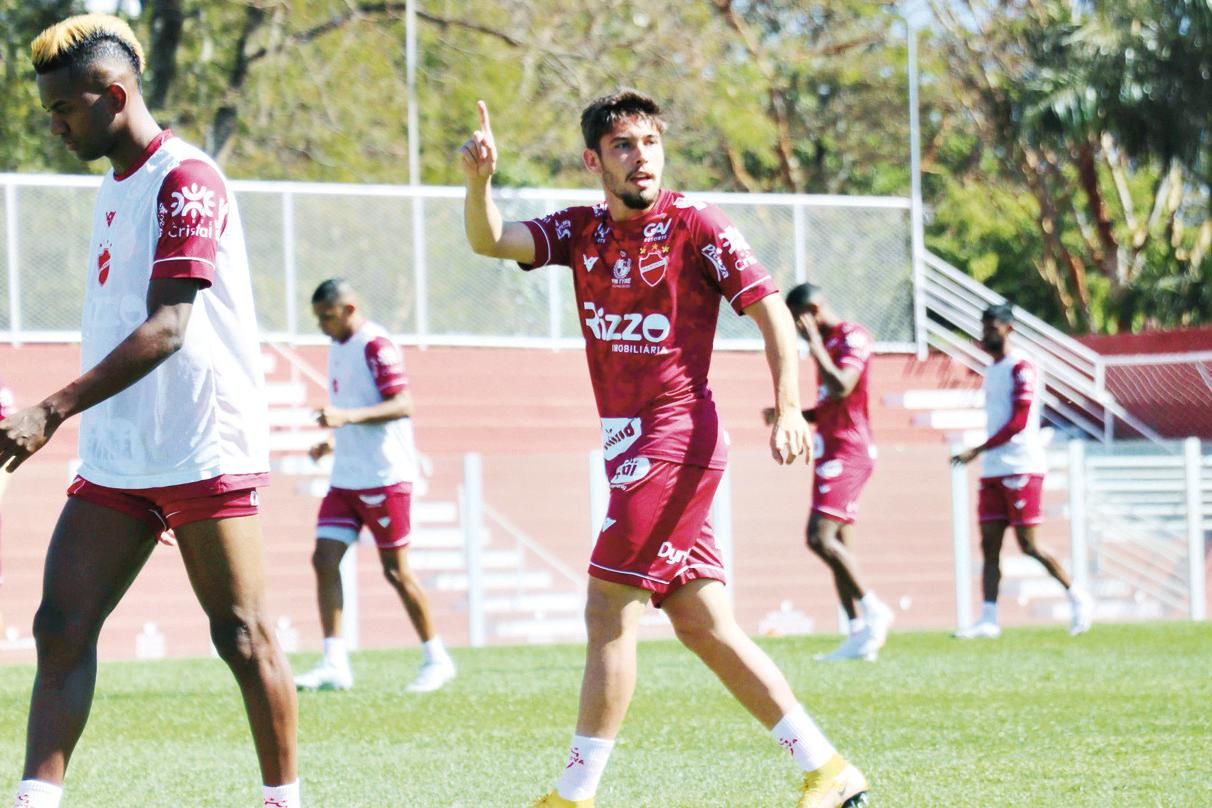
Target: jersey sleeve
(191, 212)
(1024, 383)
(386, 364)
(552, 236)
(728, 262)
(855, 350)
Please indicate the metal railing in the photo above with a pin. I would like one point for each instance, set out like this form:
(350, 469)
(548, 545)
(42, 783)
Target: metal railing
(1075, 394)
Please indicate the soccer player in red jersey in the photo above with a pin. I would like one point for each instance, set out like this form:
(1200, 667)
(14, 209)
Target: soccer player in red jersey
(173, 431)
(649, 267)
(374, 466)
(845, 457)
(1012, 473)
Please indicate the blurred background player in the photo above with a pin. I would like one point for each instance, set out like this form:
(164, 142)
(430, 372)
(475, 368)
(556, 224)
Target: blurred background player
(7, 406)
(845, 456)
(173, 431)
(1013, 464)
(649, 267)
(374, 466)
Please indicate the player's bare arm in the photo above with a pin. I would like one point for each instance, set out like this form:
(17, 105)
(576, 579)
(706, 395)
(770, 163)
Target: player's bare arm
(169, 304)
(967, 456)
(389, 409)
(789, 431)
(839, 381)
(487, 232)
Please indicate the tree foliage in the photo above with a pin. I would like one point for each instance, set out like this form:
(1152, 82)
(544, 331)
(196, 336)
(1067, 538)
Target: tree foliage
(1066, 144)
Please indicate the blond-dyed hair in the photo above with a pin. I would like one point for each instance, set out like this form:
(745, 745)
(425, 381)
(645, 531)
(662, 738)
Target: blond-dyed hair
(65, 42)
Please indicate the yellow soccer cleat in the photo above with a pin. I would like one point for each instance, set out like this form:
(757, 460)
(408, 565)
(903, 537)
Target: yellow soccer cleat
(554, 800)
(837, 784)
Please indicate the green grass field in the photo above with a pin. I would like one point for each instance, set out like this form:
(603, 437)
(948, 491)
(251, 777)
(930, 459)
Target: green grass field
(1119, 717)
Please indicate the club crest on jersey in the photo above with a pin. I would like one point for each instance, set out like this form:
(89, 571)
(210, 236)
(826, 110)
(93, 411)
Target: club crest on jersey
(715, 257)
(658, 231)
(621, 273)
(103, 264)
(653, 263)
(589, 261)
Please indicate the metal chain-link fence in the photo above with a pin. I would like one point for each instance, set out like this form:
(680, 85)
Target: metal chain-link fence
(403, 248)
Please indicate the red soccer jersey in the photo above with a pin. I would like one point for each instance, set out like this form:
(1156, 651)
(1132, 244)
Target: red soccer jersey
(842, 423)
(648, 290)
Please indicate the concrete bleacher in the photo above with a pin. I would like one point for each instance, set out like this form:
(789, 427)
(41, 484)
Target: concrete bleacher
(531, 414)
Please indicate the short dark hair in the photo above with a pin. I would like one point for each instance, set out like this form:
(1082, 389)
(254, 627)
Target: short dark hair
(604, 113)
(331, 292)
(80, 42)
(998, 313)
(804, 294)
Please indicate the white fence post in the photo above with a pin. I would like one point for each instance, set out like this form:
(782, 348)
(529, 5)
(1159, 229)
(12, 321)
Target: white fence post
(14, 261)
(1196, 582)
(1079, 557)
(961, 533)
(473, 541)
(599, 494)
(721, 520)
(350, 619)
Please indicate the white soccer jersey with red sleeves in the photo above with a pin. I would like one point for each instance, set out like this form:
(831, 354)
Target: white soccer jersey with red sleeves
(363, 371)
(1011, 379)
(202, 413)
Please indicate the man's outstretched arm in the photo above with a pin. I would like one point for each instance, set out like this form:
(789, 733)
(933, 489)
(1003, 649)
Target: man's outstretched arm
(487, 232)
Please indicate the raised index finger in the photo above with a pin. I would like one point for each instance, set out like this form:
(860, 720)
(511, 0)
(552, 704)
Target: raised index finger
(485, 126)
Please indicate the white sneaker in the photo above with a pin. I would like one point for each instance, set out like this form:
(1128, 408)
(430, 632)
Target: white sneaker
(1083, 608)
(857, 646)
(433, 675)
(325, 676)
(878, 622)
(980, 630)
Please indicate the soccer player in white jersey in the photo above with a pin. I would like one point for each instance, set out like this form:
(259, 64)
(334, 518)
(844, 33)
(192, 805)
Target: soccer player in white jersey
(173, 431)
(1013, 464)
(650, 267)
(374, 466)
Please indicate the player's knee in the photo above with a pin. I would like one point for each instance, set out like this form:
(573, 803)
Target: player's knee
(60, 637)
(241, 640)
(696, 632)
(323, 563)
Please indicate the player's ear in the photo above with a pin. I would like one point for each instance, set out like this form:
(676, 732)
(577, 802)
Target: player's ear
(592, 160)
(115, 94)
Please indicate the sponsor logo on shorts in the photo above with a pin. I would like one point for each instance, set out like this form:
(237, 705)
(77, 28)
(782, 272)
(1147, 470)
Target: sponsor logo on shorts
(607, 523)
(673, 554)
(829, 470)
(618, 434)
(373, 500)
(1020, 504)
(631, 470)
(384, 521)
(1016, 483)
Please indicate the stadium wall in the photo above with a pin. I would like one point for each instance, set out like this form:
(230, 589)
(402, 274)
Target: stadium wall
(530, 413)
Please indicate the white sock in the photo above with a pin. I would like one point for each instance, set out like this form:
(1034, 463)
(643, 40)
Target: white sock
(286, 796)
(1074, 594)
(988, 612)
(434, 650)
(335, 651)
(857, 624)
(37, 794)
(586, 762)
(799, 735)
(868, 602)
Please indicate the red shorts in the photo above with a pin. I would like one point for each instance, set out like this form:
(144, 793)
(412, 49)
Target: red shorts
(1017, 499)
(224, 497)
(657, 534)
(386, 513)
(836, 485)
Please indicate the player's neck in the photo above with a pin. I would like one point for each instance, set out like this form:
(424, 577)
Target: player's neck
(139, 134)
(620, 211)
